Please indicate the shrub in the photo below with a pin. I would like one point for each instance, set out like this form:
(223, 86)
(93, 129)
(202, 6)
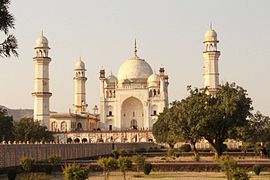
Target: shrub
(12, 173)
(75, 172)
(147, 167)
(228, 165)
(197, 157)
(124, 164)
(107, 164)
(123, 152)
(27, 164)
(240, 174)
(171, 152)
(185, 148)
(54, 160)
(257, 169)
(115, 154)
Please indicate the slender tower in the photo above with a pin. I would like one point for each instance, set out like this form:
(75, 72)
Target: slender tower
(41, 92)
(211, 55)
(102, 79)
(80, 105)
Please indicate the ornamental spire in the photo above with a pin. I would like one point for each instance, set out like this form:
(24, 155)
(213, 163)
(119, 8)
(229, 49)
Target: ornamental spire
(135, 48)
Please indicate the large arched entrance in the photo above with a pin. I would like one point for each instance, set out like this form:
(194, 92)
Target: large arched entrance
(132, 114)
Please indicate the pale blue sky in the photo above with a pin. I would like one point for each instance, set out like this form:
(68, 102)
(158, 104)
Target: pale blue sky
(168, 32)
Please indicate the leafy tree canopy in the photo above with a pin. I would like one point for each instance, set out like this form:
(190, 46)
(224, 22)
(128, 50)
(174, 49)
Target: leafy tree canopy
(6, 126)
(29, 130)
(9, 45)
(163, 128)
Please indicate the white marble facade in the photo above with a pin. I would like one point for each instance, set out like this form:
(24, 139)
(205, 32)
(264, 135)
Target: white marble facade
(134, 98)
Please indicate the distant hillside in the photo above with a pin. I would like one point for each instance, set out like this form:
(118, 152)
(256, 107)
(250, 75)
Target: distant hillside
(19, 113)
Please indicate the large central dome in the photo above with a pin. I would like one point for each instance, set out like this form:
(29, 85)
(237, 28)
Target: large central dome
(134, 68)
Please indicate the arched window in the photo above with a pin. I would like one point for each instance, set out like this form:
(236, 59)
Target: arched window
(150, 93)
(63, 126)
(133, 124)
(155, 92)
(54, 126)
(79, 127)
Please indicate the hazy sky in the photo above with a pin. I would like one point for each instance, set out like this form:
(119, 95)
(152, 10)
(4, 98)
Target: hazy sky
(168, 32)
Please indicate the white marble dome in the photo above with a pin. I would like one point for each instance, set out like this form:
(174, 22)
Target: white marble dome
(42, 41)
(79, 64)
(210, 35)
(134, 68)
(153, 80)
(111, 79)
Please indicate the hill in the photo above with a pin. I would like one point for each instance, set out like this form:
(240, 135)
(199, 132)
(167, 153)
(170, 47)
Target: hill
(19, 113)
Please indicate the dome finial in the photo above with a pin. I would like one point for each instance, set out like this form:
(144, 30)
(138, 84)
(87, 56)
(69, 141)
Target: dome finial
(135, 48)
(210, 27)
(42, 32)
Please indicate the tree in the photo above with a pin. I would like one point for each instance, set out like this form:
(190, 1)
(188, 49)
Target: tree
(124, 164)
(259, 125)
(189, 111)
(27, 164)
(107, 164)
(75, 172)
(163, 129)
(53, 161)
(29, 130)
(223, 114)
(9, 45)
(6, 124)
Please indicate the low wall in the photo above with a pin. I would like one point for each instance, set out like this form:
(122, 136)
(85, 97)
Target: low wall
(11, 154)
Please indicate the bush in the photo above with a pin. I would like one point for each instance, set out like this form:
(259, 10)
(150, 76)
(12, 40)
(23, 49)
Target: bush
(107, 164)
(240, 174)
(115, 154)
(124, 164)
(171, 152)
(27, 164)
(197, 158)
(257, 169)
(75, 172)
(123, 152)
(12, 173)
(185, 148)
(147, 167)
(228, 165)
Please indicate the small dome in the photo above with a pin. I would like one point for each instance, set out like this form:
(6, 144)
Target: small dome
(79, 64)
(134, 68)
(111, 79)
(210, 35)
(153, 80)
(42, 42)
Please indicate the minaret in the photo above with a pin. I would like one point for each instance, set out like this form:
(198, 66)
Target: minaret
(211, 55)
(102, 79)
(80, 105)
(41, 92)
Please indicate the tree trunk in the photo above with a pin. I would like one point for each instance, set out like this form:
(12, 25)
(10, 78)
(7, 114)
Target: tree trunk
(171, 145)
(124, 175)
(194, 149)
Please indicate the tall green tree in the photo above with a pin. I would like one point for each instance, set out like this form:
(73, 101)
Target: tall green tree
(29, 130)
(163, 129)
(259, 125)
(9, 45)
(223, 114)
(6, 126)
(189, 112)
